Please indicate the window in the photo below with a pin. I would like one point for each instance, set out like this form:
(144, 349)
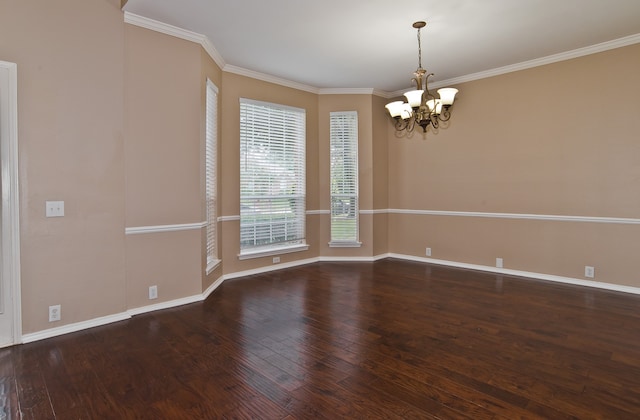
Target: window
(211, 139)
(272, 179)
(344, 178)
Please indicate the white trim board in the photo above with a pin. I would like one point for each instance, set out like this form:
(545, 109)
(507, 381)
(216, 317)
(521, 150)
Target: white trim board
(522, 216)
(77, 326)
(164, 228)
(537, 62)
(10, 257)
(65, 329)
(164, 28)
(519, 273)
(166, 305)
(208, 46)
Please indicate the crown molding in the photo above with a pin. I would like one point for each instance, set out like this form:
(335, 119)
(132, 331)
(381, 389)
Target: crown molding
(346, 91)
(208, 46)
(164, 28)
(384, 94)
(269, 78)
(550, 59)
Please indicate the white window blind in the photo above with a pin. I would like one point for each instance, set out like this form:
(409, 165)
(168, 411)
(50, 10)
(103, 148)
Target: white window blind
(344, 178)
(272, 176)
(211, 156)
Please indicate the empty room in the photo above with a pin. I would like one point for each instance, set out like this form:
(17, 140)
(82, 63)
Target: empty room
(294, 210)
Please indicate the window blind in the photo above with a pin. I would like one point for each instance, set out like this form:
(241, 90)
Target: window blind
(344, 176)
(272, 175)
(211, 141)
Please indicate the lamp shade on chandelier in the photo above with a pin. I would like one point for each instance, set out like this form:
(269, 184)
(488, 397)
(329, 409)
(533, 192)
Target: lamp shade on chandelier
(422, 107)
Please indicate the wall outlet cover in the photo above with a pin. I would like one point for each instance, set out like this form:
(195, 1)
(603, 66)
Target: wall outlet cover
(55, 313)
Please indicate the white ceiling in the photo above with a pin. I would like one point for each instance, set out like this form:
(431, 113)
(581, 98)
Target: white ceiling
(352, 44)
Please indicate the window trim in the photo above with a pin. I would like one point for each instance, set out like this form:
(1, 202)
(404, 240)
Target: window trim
(299, 243)
(352, 242)
(267, 252)
(211, 177)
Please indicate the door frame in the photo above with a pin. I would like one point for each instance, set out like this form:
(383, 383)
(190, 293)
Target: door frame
(10, 198)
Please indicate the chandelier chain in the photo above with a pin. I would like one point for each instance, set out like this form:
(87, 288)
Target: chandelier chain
(419, 50)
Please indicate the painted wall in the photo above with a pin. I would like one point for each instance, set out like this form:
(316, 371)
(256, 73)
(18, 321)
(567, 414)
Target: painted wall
(70, 58)
(111, 120)
(380, 158)
(561, 139)
(163, 113)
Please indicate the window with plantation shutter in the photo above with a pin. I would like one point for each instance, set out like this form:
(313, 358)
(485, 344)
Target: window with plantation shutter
(344, 178)
(272, 179)
(211, 156)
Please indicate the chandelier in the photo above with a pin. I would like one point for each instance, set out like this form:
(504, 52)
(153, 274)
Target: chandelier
(422, 107)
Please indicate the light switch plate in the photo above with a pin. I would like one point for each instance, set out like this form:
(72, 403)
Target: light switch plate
(55, 208)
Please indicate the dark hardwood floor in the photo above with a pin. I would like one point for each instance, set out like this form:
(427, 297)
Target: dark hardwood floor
(390, 339)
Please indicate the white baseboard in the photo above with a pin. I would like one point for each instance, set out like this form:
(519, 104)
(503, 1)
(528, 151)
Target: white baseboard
(166, 305)
(77, 326)
(269, 268)
(353, 259)
(213, 287)
(519, 273)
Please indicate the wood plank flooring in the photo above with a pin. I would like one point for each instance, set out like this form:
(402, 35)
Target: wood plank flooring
(389, 340)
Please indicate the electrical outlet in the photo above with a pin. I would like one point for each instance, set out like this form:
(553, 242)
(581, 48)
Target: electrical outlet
(276, 260)
(498, 262)
(153, 292)
(55, 313)
(428, 252)
(589, 272)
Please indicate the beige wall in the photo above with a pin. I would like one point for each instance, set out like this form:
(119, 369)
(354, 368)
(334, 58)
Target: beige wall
(70, 132)
(163, 114)
(111, 120)
(380, 157)
(561, 139)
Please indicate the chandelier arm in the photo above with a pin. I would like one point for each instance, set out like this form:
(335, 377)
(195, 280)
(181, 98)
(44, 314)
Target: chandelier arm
(434, 121)
(426, 86)
(411, 124)
(401, 124)
(445, 115)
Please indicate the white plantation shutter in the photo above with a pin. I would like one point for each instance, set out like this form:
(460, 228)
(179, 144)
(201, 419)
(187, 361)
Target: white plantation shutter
(272, 175)
(344, 177)
(211, 139)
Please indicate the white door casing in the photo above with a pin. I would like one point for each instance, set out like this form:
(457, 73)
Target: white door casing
(10, 319)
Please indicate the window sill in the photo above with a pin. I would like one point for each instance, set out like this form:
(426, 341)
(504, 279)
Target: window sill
(345, 244)
(272, 251)
(212, 265)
